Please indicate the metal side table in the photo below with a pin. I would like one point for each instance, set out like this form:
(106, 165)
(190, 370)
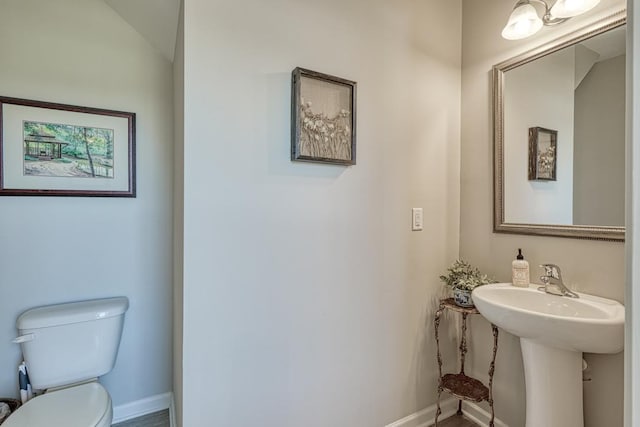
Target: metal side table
(460, 385)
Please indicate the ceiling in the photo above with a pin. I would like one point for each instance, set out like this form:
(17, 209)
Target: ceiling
(155, 20)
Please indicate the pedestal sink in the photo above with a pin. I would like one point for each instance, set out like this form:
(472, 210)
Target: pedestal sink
(554, 331)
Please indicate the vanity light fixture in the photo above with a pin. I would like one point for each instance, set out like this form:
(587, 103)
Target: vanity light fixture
(524, 21)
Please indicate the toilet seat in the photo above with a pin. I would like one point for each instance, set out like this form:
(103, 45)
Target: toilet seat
(86, 405)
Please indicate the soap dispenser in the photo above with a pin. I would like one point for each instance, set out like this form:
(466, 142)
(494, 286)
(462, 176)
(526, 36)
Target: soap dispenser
(520, 271)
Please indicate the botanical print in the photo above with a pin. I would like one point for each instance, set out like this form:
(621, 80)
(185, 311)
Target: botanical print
(546, 160)
(59, 150)
(542, 154)
(325, 120)
(322, 136)
(546, 156)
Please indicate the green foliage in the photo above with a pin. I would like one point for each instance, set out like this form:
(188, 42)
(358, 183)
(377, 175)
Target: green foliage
(462, 275)
(26, 157)
(72, 151)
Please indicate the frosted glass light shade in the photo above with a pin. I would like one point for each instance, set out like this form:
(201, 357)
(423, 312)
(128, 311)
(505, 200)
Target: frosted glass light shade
(523, 22)
(570, 8)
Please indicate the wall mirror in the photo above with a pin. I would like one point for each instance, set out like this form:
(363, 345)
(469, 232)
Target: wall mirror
(559, 136)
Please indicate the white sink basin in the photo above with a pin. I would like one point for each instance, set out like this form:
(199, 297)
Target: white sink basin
(554, 331)
(587, 324)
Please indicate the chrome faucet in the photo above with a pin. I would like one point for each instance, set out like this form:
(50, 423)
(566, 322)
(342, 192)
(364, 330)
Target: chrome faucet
(553, 284)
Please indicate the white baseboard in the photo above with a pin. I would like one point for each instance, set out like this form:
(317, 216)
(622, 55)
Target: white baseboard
(145, 406)
(426, 417)
(172, 412)
(478, 415)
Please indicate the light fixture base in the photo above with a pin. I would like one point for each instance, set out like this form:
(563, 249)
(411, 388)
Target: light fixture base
(550, 21)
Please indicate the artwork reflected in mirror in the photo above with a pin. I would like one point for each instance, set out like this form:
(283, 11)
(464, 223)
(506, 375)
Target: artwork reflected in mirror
(542, 154)
(559, 132)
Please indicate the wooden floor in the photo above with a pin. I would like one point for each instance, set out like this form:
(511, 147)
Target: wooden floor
(157, 419)
(161, 419)
(457, 421)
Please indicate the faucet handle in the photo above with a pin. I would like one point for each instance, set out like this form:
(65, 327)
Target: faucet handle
(552, 270)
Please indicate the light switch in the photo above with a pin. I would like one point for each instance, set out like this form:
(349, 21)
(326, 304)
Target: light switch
(416, 223)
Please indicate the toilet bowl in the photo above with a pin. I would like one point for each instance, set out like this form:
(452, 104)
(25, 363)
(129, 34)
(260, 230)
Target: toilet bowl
(66, 348)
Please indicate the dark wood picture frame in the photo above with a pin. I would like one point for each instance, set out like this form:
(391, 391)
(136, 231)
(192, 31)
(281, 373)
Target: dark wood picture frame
(543, 154)
(16, 114)
(319, 134)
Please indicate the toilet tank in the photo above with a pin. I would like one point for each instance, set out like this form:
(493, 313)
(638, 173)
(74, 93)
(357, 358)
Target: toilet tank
(67, 343)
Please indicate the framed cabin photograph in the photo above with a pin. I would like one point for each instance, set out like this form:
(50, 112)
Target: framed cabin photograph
(49, 149)
(323, 118)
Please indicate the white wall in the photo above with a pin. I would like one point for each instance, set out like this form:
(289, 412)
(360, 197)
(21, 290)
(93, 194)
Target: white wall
(58, 249)
(307, 299)
(539, 94)
(599, 145)
(590, 266)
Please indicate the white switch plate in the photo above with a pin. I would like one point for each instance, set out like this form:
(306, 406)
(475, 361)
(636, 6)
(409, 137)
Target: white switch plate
(416, 222)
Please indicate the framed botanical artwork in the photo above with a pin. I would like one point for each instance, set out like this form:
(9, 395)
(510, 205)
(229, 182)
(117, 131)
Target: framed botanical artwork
(323, 118)
(49, 149)
(543, 148)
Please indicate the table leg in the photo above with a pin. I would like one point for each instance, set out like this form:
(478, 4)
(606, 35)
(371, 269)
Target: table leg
(463, 342)
(436, 325)
(438, 410)
(492, 369)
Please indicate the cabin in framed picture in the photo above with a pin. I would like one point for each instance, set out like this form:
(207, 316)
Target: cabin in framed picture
(42, 147)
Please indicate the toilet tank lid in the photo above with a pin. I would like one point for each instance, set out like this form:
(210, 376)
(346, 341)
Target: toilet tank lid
(72, 312)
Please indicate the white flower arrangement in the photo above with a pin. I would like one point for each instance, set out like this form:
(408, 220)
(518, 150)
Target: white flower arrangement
(462, 275)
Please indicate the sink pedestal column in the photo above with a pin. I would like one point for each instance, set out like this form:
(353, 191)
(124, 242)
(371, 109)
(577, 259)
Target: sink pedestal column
(553, 385)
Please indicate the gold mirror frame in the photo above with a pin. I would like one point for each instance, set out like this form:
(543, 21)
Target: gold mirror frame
(614, 233)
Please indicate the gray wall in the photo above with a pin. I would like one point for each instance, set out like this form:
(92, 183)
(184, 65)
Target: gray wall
(58, 249)
(598, 170)
(307, 298)
(590, 266)
(178, 214)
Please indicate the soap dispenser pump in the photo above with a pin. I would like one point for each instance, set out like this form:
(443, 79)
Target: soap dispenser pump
(520, 271)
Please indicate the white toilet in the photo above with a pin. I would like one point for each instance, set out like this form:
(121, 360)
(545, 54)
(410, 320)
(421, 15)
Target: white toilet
(66, 348)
